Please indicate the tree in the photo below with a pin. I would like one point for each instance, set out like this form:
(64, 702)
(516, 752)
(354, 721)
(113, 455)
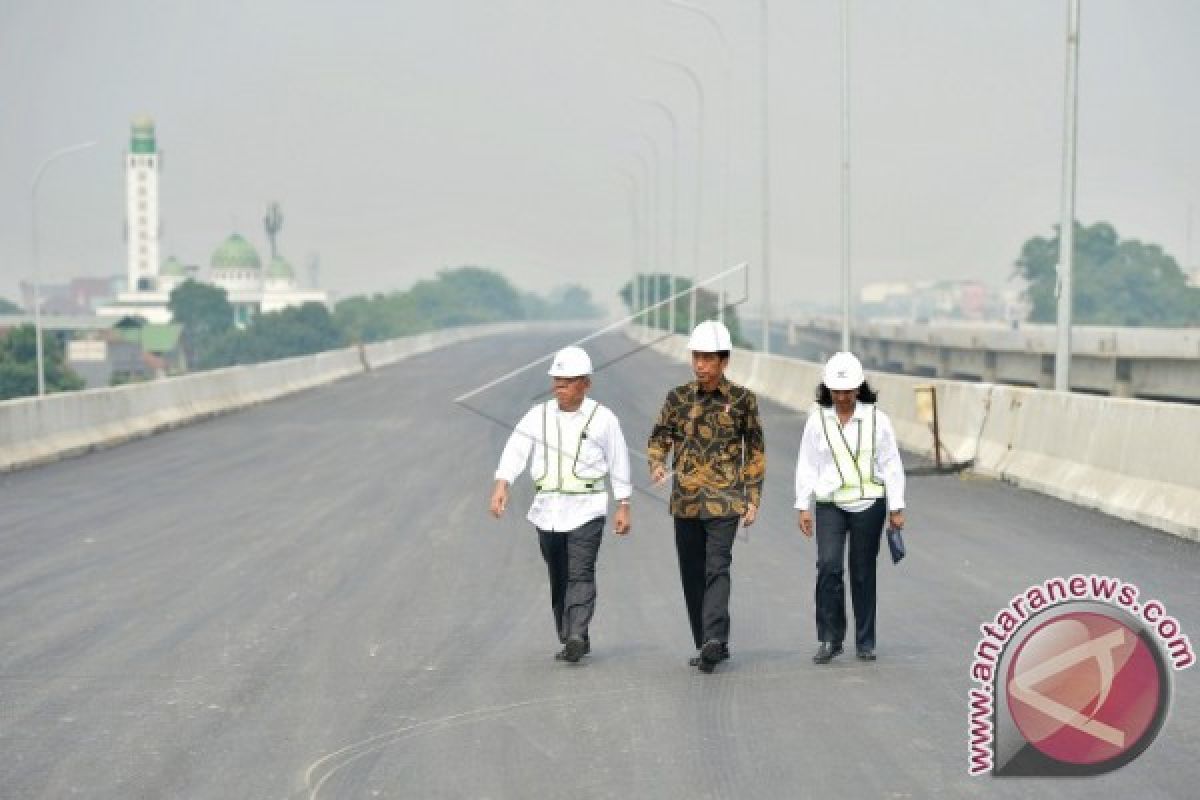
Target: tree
(659, 285)
(1114, 282)
(466, 295)
(18, 364)
(461, 296)
(573, 302)
(203, 311)
(8, 307)
(295, 331)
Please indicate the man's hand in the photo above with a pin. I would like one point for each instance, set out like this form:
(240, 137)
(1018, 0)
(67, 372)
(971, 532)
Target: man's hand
(499, 498)
(750, 515)
(806, 523)
(621, 521)
(896, 519)
(658, 474)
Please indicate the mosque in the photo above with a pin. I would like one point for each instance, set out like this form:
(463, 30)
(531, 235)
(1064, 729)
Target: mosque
(235, 265)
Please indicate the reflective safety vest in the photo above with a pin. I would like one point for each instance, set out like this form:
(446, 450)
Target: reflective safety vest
(855, 465)
(560, 459)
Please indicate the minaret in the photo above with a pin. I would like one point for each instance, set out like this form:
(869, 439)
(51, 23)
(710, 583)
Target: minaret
(141, 206)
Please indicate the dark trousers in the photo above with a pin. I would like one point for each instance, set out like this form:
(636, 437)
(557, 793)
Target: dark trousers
(705, 548)
(864, 530)
(571, 563)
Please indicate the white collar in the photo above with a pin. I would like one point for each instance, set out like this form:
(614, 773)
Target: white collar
(860, 411)
(584, 408)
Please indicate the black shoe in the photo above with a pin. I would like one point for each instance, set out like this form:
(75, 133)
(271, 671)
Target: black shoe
(865, 654)
(575, 649)
(714, 652)
(561, 655)
(826, 652)
(694, 661)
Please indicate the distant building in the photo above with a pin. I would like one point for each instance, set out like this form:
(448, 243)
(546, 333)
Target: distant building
(128, 351)
(235, 265)
(80, 296)
(922, 301)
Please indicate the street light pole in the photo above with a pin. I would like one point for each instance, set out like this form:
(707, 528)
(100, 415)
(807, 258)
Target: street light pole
(636, 230)
(37, 277)
(670, 115)
(653, 213)
(649, 224)
(1066, 232)
(699, 202)
(766, 184)
(726, 170)
(845, 19)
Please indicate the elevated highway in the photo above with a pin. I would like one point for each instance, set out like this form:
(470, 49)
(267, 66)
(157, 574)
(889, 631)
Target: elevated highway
(1150, 363)
(308, 599)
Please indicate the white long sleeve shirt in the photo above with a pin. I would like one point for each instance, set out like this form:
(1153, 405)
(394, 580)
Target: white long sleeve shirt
(817, 474)
(603, 451)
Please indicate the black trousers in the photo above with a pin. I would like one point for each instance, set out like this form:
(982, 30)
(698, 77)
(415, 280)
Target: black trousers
(705, 548)
(864, 530)
(571, 563)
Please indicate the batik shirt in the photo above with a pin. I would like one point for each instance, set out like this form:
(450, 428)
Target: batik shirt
(717, 445)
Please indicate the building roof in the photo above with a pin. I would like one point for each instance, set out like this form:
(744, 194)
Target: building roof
(280, 269)
(154, 338)
(143, 135)
(173, 268)
(237, 253)
(55, 322)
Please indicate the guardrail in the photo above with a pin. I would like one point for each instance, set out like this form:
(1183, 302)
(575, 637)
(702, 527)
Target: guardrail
(1150, 363)
(39, 430)
(1133, 459)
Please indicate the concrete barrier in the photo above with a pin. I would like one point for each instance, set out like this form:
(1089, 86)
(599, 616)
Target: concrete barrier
(38, 430)
(1132, 459)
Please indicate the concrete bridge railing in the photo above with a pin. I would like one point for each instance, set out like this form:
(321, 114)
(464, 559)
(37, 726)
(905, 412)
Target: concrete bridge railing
(1133, 459)
(38, 430)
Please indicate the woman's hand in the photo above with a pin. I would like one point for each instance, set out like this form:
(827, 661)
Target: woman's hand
(806, 523)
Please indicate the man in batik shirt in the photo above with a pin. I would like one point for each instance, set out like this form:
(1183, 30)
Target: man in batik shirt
(712, 427)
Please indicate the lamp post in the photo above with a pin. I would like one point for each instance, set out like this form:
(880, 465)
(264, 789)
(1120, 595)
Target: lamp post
(670, 115)
(635, 230)
(37, 278)
(727, 69)
(653, 214)
(766, 179)
(1066, 231)
(845, 20)
(699, 202)
(649, 227)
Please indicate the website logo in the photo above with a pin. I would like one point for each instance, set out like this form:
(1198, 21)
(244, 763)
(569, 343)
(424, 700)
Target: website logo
(1074, 678)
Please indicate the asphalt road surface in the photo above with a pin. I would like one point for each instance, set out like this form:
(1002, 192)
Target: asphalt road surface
(308, 599)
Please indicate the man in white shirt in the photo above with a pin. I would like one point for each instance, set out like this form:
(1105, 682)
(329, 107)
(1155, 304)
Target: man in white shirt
(573, 447)
(850, 464)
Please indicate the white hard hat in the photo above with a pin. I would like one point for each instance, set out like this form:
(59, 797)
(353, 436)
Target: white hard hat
(710, 336)
(570, 362)
(844, 371)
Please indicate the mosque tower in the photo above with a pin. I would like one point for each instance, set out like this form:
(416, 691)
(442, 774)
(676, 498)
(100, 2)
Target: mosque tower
(141, 206)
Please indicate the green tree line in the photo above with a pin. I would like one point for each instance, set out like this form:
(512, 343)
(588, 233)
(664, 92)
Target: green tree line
(1114, 281)
(462, 296)
(18, 364)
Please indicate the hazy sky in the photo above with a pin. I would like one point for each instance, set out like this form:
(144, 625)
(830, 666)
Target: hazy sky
(401, 137)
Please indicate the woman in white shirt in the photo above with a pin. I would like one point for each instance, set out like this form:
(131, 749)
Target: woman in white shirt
(850, 465)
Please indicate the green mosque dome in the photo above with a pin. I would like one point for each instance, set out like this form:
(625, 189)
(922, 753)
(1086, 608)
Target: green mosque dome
(172, 268)
(279, 269)
(143, 135)
(235, 253)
